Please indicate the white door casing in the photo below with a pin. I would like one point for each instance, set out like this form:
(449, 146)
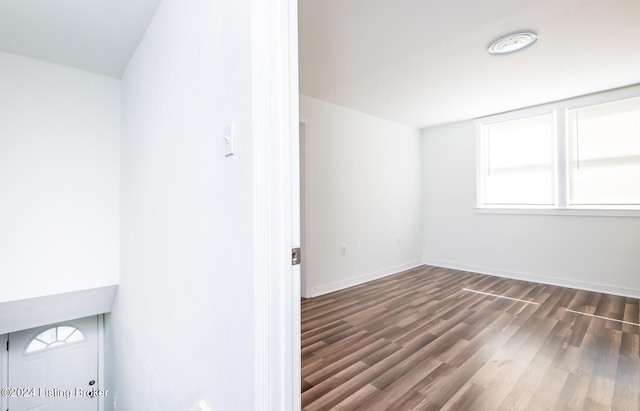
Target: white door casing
(304, 237)
(276, 231)
(3, 369)
(54, 367)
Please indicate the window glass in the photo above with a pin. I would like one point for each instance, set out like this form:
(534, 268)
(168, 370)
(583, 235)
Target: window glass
(75, 336)
(604, 154)
(519, 162)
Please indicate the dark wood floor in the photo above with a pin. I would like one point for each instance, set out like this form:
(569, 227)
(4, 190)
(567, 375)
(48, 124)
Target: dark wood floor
(418, 341)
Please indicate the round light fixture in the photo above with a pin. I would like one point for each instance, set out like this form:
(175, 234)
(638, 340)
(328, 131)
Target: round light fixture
(512, 43)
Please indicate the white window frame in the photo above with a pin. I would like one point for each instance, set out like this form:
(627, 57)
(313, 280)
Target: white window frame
(57, 343)
(560, 110)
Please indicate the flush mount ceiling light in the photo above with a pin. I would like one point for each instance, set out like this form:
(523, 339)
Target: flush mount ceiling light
(512, 43)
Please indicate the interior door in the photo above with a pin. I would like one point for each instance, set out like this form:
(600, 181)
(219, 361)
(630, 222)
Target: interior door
(55, 367)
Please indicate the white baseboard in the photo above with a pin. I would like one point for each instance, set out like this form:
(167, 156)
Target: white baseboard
(350, 282)
(561, 282)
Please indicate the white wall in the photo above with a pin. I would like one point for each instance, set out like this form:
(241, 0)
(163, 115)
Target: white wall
(59, 179)
(364, 185)
(598, 253)
(183, 318)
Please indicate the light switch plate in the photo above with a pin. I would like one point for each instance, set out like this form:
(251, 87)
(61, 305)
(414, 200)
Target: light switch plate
(228, 135)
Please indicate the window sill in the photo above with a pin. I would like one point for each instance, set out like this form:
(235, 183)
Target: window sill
(560, 212)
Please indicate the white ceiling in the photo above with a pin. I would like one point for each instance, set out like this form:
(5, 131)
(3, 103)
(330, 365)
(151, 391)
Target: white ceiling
(99, 36)
(424, 62)
(417, 62)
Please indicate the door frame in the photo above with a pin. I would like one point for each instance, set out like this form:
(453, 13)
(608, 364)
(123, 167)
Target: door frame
(274, 92)
(101, 381)
(4, 369)
(303, 139)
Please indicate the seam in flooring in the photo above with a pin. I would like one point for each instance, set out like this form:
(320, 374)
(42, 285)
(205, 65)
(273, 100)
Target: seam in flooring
(601, 317)
(501, 296)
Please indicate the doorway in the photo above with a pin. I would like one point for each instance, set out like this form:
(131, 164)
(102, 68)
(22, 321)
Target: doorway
(55, 367)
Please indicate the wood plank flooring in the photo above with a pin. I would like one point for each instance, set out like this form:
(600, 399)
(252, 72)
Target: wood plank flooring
(418, 341)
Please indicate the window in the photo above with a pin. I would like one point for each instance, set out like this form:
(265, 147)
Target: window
(604, 154)
(54, 337)
(519, 160)
(573, 155)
